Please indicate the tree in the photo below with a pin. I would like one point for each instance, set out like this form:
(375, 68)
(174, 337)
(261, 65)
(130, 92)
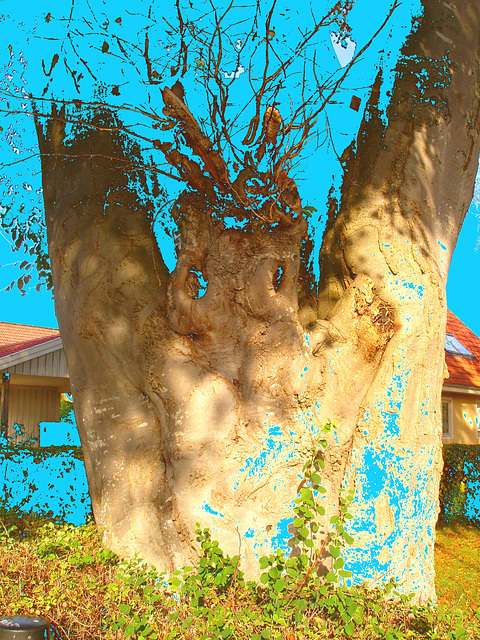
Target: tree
(198, 405)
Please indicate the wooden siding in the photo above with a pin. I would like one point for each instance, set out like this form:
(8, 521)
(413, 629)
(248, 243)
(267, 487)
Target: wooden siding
(30, 406)
(465, 410)
(50, 364)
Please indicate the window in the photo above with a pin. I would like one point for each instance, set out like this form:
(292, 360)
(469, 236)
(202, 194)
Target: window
(477, 420)
(447, 418)
(455, 347)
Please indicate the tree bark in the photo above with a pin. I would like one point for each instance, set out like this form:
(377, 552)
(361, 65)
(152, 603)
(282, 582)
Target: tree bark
(202, 409)
(407, 189)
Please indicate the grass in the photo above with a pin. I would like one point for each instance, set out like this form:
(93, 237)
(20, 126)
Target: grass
(457, 567)
(62, 573)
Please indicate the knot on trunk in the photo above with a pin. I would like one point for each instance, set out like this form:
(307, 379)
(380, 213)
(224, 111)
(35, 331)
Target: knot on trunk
(373, 322)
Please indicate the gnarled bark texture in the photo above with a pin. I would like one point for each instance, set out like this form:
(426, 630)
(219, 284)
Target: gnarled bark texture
(200, 409)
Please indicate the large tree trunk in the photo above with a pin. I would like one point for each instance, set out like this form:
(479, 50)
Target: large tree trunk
(406, 192)
(200, 409)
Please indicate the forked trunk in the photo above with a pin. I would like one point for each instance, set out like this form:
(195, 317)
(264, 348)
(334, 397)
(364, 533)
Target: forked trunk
(201, 409)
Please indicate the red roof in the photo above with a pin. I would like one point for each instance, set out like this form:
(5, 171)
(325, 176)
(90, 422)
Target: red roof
(17, 337)
(463, 370)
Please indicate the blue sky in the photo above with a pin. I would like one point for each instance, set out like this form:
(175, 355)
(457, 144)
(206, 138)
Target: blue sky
(38, 307)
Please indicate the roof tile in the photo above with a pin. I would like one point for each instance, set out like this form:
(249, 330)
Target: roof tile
(17, 337)
(463, 371)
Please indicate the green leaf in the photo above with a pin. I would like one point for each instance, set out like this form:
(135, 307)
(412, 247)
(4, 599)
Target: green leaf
(264, 578)
(350, 628)
(352, 607)
(345, 574)
(124, 608)
(334, 551)
(279, 585)
(298, 522)
(306, 495)
(273, 573)
(292, 572)
(266, 633)
(348, 538)
(338, 564)
(301, 605)
(331, 577)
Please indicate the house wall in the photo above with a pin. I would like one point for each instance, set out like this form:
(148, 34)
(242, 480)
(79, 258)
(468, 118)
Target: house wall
(34, 388)
(30, 406)
(50, 364)
(466, 417)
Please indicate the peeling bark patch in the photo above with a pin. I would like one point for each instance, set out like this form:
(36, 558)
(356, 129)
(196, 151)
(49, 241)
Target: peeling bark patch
(274, 445)
(258, 467)
(280, 541)
(388, 522)
(377, 475)
(390, 421)
(418, 289)
(208, 509)
(276, 462)
(396, 394)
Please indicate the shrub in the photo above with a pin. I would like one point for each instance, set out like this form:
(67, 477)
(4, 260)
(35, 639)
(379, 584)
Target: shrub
(461, 472)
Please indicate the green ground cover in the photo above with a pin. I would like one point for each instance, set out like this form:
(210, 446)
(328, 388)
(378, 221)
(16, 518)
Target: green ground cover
(62, 573)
